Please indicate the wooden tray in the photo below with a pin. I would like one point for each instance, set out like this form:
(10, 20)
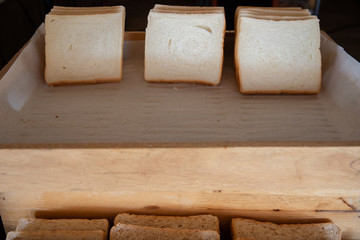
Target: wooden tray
(95, 150)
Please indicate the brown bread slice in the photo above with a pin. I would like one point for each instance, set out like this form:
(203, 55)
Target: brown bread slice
(37, 224)
(28, 224)
(133, 232)
(201, 222)
(254, 230)
(56, 235)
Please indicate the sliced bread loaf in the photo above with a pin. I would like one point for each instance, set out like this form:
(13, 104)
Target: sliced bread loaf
(134, 232)
(277, 53)
(56, 235)
(246, 229)
(186, 8)
(84, 45)
(184, 45)
(200, 222)
(265, 11)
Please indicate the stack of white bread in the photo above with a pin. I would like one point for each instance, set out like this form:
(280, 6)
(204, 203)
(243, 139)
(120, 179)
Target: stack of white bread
(277, 50)
(60, 229)
(247, 229)
(184, 44)
(144, 227)
(84, 44)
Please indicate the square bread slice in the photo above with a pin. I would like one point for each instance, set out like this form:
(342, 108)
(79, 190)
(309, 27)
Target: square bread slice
(200, 222)
(36, 224)
(133, 232)
(184, 45)
(254, 230)
(269, 11)
(278, 55)
(56, 235)
(57, 10)
(84, 46)
(186, 8)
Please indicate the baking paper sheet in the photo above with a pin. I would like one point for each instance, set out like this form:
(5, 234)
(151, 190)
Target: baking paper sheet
(134, 111)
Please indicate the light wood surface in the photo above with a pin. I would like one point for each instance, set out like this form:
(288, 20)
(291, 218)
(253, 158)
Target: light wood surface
(303, 182)
(325, 171)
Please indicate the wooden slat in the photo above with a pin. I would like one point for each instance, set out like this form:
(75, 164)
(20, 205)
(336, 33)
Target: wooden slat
(327, 171)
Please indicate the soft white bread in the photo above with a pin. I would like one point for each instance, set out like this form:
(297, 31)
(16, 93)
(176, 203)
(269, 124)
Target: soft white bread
(36, 224)
(56, 235)
(184, 46)
(246, 229)
(200, 222)
(276, 17)
(270, 11)
(84, 46)
(186, 8)
(280, 54)
(57, 10)
(133, 232)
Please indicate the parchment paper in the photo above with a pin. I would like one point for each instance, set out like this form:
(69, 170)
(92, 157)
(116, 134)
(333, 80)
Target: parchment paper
(134, 111)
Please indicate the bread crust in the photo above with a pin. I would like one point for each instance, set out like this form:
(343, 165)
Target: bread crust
(182, 81)
(94, 81)
(194, 222)
(119, 231)
(276, 226)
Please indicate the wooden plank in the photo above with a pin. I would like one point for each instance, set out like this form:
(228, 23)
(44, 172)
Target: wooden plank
(320, 171)
(108, 204)
(302, 183)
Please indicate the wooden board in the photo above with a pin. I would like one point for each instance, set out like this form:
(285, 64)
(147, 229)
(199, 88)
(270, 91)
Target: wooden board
(301, 181)
(95, 150)
(108, 204)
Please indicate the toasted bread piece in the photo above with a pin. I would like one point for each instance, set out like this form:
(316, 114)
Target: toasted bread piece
(56, 235)
(133, 232)
(36, 224)
(243, 229)
(200, 222)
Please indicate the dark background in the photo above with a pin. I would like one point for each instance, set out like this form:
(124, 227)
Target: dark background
(19, 19)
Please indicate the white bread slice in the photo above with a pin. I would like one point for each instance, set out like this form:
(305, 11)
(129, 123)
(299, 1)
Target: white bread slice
(254, 230)
(270, 11)
(276, 17)
(278, 56)
(133, 232)
(56, 235)
(102, 8)
(184, 46)
(302, 12)
(84, 47)
(57, 10)
(186, 8)
(36, 224)
(200, 222)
